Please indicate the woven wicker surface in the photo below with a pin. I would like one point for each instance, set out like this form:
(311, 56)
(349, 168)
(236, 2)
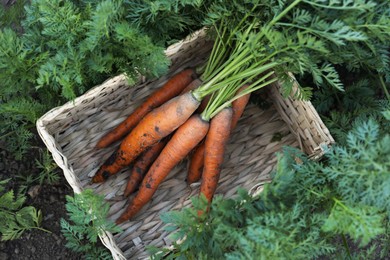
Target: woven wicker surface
(72, 130)
(303, 121)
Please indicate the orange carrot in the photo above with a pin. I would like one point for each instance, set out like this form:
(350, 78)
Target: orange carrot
(142, 164)
(238, 106)
(170, 89)
(193, 85)
(186, 137)
(196, 164)
(203, 104)
(195, 167)
(156, 125)
(215, 143)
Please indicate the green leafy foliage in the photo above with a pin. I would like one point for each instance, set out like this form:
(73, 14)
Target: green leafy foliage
(88, 219)
(332, 37)
(360, 223)
(359, 102)
(16, 218)
(11, 16)
(47, 166)
(66, 47)
(313, 37)
(47, 174)
(367, 181)
(174, 18)
(82, 43)
(301, 212)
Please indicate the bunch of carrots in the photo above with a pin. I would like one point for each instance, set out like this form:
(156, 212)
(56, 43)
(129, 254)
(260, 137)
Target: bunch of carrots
(188, 113)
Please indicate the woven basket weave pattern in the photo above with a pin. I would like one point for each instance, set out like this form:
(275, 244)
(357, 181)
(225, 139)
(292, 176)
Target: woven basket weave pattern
(71, 132)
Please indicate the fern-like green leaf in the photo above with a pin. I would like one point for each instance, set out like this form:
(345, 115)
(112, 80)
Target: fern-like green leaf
(362, 223)
(88, 212)
(16, 219)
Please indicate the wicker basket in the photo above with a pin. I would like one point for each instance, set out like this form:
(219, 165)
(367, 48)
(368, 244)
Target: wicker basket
(71, 131)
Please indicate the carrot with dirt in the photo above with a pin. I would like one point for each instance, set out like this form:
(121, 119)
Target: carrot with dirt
(215, 144)
(142, 165)
(221, 114)
(156, 125)
(186, 137)
(239, 106)
(196, 164)
(170, 89)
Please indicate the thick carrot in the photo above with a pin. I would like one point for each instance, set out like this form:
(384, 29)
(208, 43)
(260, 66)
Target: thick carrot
(186, 137)
(156, 125)
(170, 89)
(196, 164)
(142, 165)
(215, 143)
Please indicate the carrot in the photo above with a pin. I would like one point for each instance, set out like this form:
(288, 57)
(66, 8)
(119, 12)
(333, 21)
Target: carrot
(170, 89)
(203, 104)
(156, 125)
(142, 164)
(238, 106)
(196, 164)
(215, 143)
(195, 167)
(193, 85)
(186, 137)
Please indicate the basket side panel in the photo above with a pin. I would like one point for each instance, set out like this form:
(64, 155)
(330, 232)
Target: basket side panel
(303, 121)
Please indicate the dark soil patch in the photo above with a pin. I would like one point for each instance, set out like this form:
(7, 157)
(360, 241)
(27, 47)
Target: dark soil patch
(50, 199)
(37, 244)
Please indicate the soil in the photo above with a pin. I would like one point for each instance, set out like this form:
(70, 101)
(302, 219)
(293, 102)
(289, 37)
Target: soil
(50, 199)
(37, 244)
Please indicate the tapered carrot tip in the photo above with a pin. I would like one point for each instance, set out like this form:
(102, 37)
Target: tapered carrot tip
(125, 216)
(100, 178)
(201, 212)
(104, 171)
(120, 220)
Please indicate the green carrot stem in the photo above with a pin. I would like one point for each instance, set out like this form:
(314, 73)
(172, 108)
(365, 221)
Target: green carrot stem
(228, 103)
(218, 52)
(235, 60)
(247, 75)
(384, 88)
(285, 11)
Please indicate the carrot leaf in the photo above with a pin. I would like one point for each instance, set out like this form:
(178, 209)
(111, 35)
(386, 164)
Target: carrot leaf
(87, 214)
